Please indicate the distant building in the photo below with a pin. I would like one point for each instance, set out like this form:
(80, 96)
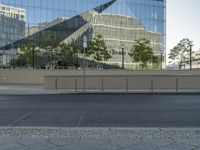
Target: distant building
(12, 28)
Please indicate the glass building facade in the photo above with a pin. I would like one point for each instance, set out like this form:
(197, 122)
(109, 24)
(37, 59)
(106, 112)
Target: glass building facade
(12, 26)
(150, 14)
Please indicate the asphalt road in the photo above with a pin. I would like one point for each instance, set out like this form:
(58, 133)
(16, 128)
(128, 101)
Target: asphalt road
(96, 110)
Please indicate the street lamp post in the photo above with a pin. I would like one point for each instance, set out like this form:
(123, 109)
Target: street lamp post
(33, 56)
(85, 39)
(13, 55)
(123, 45)
(122, 58)
(161, 60)
(191, 56)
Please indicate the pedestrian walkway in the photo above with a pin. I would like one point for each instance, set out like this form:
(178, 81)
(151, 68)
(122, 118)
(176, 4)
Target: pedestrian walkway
(40, 89)
(99, 139)
(27, 89)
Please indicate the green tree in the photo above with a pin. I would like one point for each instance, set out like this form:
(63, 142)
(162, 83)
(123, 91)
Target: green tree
(180, 53)
(25, 56)
(69, 54)
(50, 46)
(142, 52)
(175, 54)
(156, 61)
(97, 50)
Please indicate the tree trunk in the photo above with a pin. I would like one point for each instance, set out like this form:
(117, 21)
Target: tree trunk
(144, 66)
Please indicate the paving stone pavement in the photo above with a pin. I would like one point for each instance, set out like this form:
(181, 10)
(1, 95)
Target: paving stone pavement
(99, 139)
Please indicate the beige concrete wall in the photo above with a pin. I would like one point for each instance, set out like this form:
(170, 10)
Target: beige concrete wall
(31, 76)
(189, 82)
(164, 82)
(139, 82)
(125, 83)
(110, 79)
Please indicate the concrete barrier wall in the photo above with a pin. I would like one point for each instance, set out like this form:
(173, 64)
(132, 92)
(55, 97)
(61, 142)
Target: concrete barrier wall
(148, 83)
(104, 79)
(189, 82)
(31, 76)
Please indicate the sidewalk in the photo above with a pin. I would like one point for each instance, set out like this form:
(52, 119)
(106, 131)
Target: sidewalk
(99, 139)
(39, 89)
(27, 90)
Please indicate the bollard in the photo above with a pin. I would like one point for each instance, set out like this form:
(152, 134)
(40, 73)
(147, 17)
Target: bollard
(127, 89)
(102, 85)
(176, 85)
(56, 83)
(76, 89)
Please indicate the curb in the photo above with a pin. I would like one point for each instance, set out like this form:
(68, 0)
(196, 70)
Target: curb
(100, 93)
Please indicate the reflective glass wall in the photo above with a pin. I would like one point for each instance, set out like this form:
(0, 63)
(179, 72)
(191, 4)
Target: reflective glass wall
(151, 13)
(134, 14)
(39, 11)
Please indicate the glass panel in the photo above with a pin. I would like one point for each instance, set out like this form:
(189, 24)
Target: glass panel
(122, 21)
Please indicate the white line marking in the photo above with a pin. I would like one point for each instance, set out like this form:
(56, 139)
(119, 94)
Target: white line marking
(21, 118)
(8, 98)
(81, 118)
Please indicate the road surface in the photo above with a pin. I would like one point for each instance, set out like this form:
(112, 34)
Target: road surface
(96, 110)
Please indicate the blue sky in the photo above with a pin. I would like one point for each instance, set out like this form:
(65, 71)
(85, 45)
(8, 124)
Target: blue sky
(183, 21)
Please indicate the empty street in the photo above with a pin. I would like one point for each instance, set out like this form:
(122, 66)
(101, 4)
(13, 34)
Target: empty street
(96, 110)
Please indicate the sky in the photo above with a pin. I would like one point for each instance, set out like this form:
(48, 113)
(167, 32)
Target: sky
(183, 21)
